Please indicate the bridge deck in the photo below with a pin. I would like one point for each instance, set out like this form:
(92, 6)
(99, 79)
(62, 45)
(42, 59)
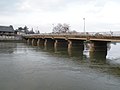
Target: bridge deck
(75, 37)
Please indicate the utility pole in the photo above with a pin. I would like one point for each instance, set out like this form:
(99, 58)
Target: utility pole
(84, 26)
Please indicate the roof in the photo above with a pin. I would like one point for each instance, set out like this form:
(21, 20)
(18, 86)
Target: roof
(6, 29)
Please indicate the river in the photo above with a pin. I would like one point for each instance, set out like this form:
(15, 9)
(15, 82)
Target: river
(26, 67)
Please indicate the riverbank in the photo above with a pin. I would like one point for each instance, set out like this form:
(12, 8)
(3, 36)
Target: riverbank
(15, 38)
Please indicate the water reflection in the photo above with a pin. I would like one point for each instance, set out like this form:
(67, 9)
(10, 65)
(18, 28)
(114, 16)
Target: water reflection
(97, 60)
(70, 52)
(7, 47)
(98, 56)
(75, 52)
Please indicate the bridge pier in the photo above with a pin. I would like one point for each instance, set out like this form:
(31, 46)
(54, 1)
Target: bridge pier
(60, 44)
(98, 50)
(24, 40)
(34, 42)
(45, 43)
(75, 52)
(29, 41)
(38, 42)
(76, 44)
(98, 56)
(69, 44)
(55, 44)
(98, 46)
(49, 42)
(41, 42)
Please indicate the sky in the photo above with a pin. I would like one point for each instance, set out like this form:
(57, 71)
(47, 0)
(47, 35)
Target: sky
(43, 15)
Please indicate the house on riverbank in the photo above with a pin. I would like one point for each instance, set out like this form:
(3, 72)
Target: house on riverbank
(6, 30)
(8, 33)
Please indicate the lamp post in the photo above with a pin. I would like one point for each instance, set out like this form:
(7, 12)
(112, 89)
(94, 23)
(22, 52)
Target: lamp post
(84, 26)
(53, 28)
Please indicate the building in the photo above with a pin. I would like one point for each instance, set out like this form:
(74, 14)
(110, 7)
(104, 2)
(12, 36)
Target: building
(19, 32)
(6, 30)
(24, 30)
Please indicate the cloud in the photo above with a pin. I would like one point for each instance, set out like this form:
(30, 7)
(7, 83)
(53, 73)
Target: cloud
(42, 5)
(98, 13)
(8, 6)
(49, 5)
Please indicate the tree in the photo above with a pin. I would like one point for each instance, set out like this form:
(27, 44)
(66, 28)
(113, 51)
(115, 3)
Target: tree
(20, 28)
(26, 30)
(31, 31)
(66, 27)
(23, 29)
(61, 28)
(38, 32)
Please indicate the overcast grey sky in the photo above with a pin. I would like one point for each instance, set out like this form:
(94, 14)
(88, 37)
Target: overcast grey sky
(100, 15)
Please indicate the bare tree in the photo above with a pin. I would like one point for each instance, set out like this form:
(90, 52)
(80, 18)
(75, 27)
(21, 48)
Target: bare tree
(61, 28)
(66, 27)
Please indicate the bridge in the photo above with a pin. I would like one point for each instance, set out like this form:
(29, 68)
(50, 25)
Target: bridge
(107, 38)
(96, 42)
